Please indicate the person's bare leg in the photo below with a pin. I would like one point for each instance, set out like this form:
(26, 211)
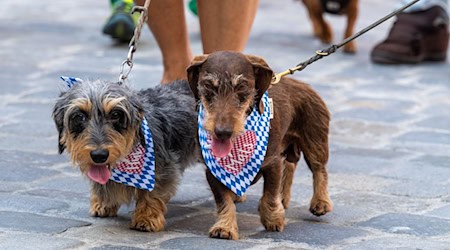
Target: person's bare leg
(225, 25)
(168, 25)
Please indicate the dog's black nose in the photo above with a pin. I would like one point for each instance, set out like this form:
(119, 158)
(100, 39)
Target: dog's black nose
(99, 155)
(223, 133)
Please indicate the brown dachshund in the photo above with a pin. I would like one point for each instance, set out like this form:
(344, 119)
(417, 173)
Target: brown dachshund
(322, 30)
(229, 84)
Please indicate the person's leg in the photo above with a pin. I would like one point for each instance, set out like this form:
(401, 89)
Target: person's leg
(168, 25)
(225, 25)
(419, 34)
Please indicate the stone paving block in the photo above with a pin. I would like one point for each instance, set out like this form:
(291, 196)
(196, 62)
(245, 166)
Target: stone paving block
(114, 231)
(424, 137)
(28, 222)
(200, 224)
(193, 186)
(443, 212)
(341, 215)
(27, 203)
(362, 161)
(10, 187)
(29, 241)
(30, 128)
(379, 203)
(437, 122)
(414, 170)
(433, 161)
(36, 111)
(76, 184)
(437, 109)
(175, 211)
(195, 243)
(400, 223)
(359, 132)
(29, 144)
(398, 243)
(313, 233)
(374, 114)
(59, 194)
(48, 94)
(11, 158)
(8, 112)
(116, 247)
(419, 189)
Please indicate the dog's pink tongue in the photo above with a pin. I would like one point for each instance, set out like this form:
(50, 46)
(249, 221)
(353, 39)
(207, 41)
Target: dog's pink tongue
(221, 148)
(99, 173)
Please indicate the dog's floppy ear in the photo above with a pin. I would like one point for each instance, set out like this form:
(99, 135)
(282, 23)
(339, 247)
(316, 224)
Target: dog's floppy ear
(58, 117)
(263, 76)
(193, 71)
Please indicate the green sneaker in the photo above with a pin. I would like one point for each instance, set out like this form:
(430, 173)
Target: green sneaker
(121, 23)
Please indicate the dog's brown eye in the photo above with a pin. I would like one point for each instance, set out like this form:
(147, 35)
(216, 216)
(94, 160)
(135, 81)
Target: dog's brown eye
(242, 97)
(118, 120)
(116, 114)
(76, 122)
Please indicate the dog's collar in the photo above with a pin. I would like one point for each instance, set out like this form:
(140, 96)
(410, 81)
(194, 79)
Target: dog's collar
(239, 170)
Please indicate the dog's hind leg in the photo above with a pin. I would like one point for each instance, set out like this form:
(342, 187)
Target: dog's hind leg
(352, 14)
(288, 177)
(150, 209)
(293, 155)
(271, 210)
(226, 225)
(316, 157)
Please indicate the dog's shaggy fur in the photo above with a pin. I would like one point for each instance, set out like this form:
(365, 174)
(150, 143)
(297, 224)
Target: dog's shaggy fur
(321, 28)
(229, 84)
(100, 123)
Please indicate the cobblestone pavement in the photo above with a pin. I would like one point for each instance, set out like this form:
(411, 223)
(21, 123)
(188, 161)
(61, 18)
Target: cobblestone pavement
(390, 138)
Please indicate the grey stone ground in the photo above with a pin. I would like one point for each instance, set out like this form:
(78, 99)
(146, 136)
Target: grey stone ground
(390, 138)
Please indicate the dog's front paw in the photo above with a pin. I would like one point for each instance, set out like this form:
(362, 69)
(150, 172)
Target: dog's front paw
(272, 215)
(148, 224)
(100, 210)
(276, 225)
(274, 222)
(224, 233)
(320, 206)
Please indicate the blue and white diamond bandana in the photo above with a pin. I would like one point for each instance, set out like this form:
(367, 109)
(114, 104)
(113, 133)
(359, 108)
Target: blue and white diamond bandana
(137, 169)
(237, 170)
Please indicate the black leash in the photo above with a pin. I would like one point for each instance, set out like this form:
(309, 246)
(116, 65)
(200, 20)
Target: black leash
(326, 52)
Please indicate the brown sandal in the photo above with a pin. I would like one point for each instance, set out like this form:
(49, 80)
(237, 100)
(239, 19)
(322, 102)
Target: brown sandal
(415, 37)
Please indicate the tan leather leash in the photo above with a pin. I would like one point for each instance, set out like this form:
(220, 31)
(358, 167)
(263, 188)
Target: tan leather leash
(326, 52)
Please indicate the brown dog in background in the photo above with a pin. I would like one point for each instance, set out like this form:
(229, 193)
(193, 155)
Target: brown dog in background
(322, 30)
(229, 84)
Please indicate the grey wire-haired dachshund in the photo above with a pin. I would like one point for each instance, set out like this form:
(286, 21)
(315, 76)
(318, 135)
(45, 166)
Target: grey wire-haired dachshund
(100, 125)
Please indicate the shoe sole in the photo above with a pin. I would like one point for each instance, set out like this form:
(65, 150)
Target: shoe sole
(389, 58)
